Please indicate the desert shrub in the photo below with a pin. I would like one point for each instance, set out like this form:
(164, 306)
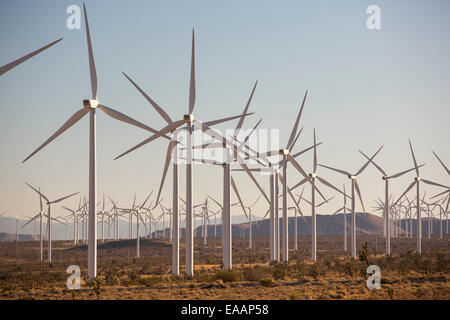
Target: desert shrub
(256, 273)
(151, 281)
(315, 271)
(300, 270)
(111, 278)
(278, 271)
(442, 263)
(226, 275)
(350, 269)
(364, 254)
(202, 276)
(97, 285)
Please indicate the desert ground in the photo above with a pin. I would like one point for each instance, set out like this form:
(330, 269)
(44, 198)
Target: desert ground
(404, 275)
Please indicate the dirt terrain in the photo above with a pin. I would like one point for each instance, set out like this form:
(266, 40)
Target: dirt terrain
(405, 275)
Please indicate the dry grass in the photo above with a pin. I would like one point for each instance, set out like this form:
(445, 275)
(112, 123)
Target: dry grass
(334, 276)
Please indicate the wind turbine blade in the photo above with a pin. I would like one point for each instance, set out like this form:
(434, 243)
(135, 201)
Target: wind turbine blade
(434, 183)
(373, 162)
(214, 122)
(158, 109)
(92, 70)
(323, 202)
(440, 194)
(72, 120)
(29, 221)
(192, 81)
(337, 170)
(216, 202)
(300, 183)
(172, 144)
(323, 181)
(70, 210)
(294, 129)
(295, 140)
(121, 117)
(209, 145)
(241, 120)
(233, 185)
(253, 130)
(359, 195)
(446, 169)
(368, 161)
(145, 201)
(406, 191)
(414, 158)
(38, 192)
(214, 134)
(295, 155)
(15, 63)
(40, 200)
(167, 129)
(403, 172)
(267, 212)
(63, 198)
(255, 201)
(244, 166)
(2, 214)
(315, 152)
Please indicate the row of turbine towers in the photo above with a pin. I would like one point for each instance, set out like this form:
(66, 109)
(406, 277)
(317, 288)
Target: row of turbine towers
(235, 151)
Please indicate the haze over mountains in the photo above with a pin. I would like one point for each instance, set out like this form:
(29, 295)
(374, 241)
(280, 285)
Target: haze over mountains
(366, 223)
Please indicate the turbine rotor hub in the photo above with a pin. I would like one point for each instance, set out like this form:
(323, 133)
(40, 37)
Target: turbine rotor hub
(90, 103)
(189, 118)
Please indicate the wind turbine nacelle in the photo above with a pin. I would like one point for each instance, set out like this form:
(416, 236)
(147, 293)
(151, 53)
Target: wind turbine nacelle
(352, 177)
(90, 103)
(312, 175)
(384, 178)
(417, 178)
(284, 152)
(189, 118)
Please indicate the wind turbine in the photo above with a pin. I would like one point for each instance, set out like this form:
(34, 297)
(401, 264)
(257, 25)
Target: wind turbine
(312, 179)
(90, 106)
(286, 156)
(38, 215)
(352, 177)
(386, 179)
(189, 120)
(344, 209)
(49, 217)
(416, 183)
(15, 63)
(249, 217)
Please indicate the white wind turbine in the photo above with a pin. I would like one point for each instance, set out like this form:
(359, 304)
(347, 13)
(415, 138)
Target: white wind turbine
(352, 177)
(386, 179)
(312, 179)
(416, 182)
(249, 215)
(15, 63)
(190, 121)
(286, 156)
(41, 231)
(49, 217)
(75, 219)
(90, 106)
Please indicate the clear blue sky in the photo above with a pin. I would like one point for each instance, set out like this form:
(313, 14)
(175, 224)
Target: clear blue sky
(366, 89)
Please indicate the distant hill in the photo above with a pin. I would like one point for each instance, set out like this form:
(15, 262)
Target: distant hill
(12, 237)
(366, 223)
